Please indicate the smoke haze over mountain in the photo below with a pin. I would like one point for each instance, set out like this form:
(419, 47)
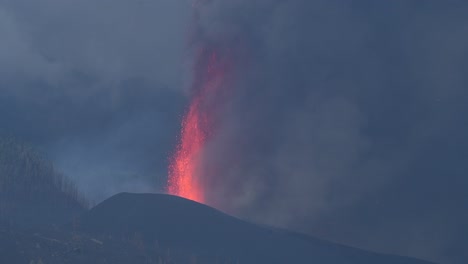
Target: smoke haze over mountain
(346, 118)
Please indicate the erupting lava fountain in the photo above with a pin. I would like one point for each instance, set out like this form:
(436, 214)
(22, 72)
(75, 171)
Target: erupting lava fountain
(212, 62)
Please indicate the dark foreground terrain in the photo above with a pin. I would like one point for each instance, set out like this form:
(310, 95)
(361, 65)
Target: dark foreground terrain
(156, 228)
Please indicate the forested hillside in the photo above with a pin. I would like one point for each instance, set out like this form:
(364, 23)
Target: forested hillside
(31, 190)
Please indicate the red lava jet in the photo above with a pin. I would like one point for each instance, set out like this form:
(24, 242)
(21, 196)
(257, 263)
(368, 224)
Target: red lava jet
(198, 125)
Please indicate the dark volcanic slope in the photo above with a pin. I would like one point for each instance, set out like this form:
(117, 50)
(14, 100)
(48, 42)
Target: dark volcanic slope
(185, 226)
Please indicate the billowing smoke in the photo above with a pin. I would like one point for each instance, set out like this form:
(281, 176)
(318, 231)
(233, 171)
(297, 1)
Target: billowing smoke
(344, 120)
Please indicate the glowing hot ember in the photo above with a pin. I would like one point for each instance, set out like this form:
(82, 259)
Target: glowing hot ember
(185, 170)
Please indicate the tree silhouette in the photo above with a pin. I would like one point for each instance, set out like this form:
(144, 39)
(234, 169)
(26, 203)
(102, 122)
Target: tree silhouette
(28, 181)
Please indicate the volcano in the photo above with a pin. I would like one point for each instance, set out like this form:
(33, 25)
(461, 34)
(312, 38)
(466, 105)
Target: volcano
(159, 228)
(179, 225)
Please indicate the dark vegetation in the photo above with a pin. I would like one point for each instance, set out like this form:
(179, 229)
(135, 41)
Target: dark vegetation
(44, 219)
(32, 191)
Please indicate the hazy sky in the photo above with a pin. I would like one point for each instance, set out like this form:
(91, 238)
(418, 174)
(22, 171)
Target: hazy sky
(97, 85)
(347, 120)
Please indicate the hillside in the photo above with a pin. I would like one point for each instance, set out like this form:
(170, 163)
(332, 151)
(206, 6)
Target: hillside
(193, 229)
(32, 192)
(43, 219)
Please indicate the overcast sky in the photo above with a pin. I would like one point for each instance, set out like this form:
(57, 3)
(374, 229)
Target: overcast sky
(347, 118)
(96, 85)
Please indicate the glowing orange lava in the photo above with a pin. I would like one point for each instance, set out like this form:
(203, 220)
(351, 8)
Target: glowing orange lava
(185, 170)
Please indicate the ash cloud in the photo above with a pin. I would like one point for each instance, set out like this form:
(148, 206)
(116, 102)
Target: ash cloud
(347, 121)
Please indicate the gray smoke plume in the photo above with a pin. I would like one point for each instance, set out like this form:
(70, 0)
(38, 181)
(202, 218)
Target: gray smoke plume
(346, 121)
